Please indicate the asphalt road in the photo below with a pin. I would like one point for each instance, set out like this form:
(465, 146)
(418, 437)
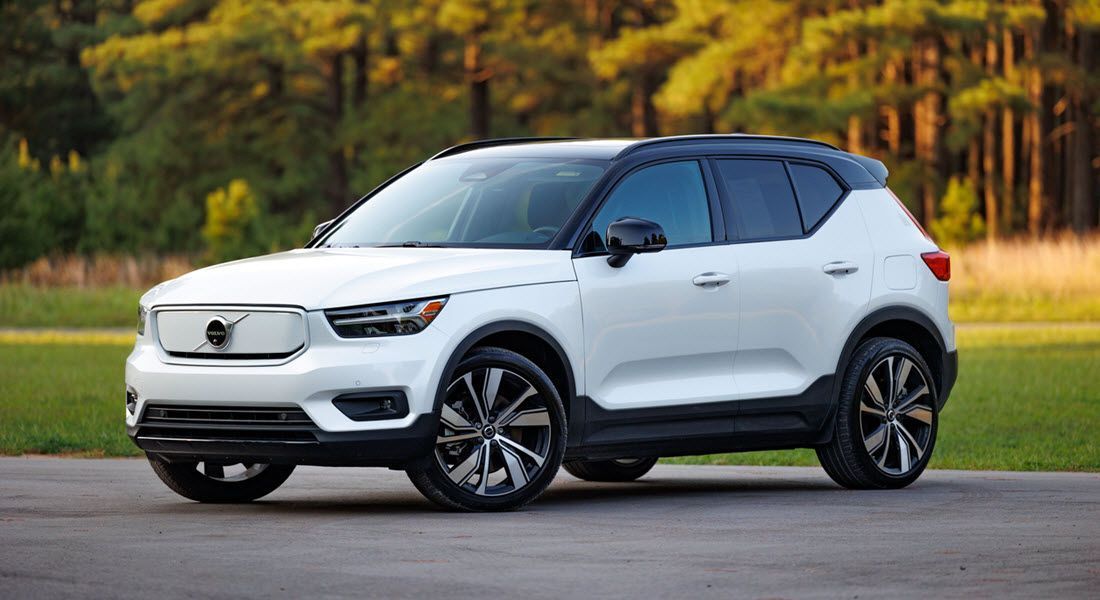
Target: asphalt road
(108, 528)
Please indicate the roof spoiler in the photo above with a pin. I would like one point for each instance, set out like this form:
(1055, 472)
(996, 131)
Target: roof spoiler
(874, 167)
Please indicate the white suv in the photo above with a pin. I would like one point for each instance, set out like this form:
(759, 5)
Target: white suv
(510, 306)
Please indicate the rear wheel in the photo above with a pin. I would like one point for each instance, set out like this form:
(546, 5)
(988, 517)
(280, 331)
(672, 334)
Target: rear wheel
(501, 435)
(887, 419)
(617, 469)
(218, 482)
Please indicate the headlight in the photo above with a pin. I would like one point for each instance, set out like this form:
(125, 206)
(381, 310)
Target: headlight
(377, 320)
(142, 313)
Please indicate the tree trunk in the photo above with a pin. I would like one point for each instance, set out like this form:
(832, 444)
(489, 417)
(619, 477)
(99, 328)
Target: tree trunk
(1008, 140)
(989, 149)
(359, 56)
(855, 122)
(855, 134)
(477, 78)
(1037, 135)
(1080, 154)
(926, 116)
(337, 189)
(973, 163)
(643, 115)
(989, 152)
(892, 113)
(1053, 186)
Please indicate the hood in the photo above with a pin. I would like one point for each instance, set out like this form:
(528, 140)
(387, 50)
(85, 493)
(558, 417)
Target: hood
(335, 277)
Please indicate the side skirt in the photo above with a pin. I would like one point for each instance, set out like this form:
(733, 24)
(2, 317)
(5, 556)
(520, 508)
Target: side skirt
(784, 422)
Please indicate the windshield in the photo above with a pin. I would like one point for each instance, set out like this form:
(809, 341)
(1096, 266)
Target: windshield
(476, 202)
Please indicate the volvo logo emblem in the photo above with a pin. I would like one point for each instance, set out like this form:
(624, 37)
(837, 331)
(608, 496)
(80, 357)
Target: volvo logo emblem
(217, 333)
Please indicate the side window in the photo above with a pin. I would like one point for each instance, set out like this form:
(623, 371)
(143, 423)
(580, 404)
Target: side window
(763, 201)
(817, 192)
(670, 194)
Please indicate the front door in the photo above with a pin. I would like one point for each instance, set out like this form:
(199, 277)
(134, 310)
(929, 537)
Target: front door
(661, 330)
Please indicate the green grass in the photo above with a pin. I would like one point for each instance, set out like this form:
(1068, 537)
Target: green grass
(58, 398)
(30, 306)
(1000, 307)
(1028, 398)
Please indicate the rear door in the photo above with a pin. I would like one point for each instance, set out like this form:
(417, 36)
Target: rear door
(661, 330)
(805, 271)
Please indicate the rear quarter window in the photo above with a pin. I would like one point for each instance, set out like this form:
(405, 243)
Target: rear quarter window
(818, 192)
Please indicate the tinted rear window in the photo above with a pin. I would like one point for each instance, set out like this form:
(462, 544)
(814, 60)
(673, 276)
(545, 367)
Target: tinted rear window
(763, 201)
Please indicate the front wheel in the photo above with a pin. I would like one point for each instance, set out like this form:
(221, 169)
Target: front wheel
(216, 482)
(501, 435)
(887, 419)
(616, 469)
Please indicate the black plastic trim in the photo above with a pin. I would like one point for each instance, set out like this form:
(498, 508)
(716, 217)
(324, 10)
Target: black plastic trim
(795, 421)
(239, 356)
(346, 403)
(376, 448)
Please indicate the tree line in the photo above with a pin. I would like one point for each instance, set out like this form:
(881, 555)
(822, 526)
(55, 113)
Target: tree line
(230, 126)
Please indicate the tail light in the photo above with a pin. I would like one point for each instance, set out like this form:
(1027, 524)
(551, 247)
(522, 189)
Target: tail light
(939, 263)
(909, 214)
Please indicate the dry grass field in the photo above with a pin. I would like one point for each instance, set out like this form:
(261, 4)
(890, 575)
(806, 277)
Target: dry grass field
(1054, 279)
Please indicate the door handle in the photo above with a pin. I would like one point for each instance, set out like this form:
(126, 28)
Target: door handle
(711, 279)
(842, 267)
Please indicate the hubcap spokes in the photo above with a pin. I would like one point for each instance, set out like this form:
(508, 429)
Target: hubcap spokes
(895, 415)
(494, 432)
(230, 473)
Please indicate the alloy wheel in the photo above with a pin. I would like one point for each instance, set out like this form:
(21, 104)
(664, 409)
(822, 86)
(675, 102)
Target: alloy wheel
(230, 473)
(895, 415)
(494, 433)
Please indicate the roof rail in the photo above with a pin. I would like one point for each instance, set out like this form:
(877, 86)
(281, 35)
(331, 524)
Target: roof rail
(718, 138)
(489, 143)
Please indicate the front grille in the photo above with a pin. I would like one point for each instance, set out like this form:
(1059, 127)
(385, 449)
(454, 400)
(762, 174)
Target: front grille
(227, 423)
(238, 356)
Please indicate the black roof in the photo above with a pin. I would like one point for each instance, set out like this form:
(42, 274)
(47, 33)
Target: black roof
(858, 171)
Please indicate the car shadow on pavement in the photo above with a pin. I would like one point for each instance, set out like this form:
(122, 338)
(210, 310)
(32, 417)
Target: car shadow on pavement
(568, 493)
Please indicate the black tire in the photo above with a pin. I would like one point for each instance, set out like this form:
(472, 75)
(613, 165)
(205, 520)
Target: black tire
(432, 477)
(185, 479)
(621, 469)
(859, 455)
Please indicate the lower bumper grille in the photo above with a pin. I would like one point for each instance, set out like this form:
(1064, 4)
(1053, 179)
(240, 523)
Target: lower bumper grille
(226, 423)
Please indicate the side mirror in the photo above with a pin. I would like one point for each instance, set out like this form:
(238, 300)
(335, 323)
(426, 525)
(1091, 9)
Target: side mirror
(629, 236)
(318, 229)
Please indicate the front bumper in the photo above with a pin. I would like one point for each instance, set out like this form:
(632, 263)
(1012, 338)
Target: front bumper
(327, 368)
(378, 448)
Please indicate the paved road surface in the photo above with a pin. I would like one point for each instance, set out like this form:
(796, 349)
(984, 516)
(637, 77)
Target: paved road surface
(108, 528)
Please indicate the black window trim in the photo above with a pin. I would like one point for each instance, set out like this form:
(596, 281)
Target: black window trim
(733, 232)
(717, 218)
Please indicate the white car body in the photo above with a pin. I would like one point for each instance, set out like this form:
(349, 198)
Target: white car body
(748, 327)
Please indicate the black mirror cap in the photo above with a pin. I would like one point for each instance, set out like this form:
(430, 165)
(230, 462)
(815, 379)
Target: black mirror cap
(629, 236)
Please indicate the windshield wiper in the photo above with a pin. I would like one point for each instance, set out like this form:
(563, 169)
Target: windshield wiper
(410, 244)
